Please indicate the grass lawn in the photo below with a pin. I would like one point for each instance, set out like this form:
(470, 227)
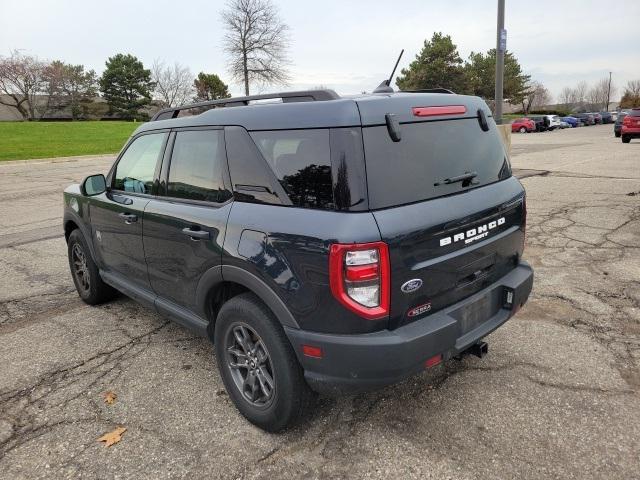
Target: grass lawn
(22, 140)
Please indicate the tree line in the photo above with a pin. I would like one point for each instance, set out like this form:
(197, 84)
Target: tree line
(439, 65)
(36, 88)
(597, 95)
(256, 43)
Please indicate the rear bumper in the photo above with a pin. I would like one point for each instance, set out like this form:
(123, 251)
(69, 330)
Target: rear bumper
(353, 363)
(631, 132)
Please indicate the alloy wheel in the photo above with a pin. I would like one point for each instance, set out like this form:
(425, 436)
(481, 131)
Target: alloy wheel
(250, 364)
(80, 268)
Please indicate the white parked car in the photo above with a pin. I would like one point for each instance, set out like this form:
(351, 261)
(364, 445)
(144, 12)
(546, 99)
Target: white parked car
(553, 122)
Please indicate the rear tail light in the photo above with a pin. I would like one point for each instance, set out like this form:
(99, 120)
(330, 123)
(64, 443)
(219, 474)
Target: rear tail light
(627, 120)
(359, 277)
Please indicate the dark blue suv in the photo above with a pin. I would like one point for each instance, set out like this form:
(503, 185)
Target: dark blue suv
(324, 243)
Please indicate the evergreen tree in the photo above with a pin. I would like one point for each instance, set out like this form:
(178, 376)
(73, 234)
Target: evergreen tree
(209, 86)
(438, 65)
(126, 85)
(480, 73)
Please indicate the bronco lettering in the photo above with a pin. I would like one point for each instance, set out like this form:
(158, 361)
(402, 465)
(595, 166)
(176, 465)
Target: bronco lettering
(473, 234)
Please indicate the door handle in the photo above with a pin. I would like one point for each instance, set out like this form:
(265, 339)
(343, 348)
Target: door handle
(129, 218)
(122, 199)
(196, 234)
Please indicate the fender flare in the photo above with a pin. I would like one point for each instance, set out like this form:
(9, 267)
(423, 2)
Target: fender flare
(230, 273)
(70, 216)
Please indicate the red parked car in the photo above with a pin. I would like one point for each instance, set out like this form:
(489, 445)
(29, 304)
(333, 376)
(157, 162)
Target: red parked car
(631, 126)
(523, 125)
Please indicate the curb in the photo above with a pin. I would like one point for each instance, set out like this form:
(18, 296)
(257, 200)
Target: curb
(36, 161)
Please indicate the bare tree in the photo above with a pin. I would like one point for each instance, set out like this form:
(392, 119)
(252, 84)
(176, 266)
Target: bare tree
(256, 43)
(598, 94)
(567, 97)
(69, 86)
(633, 88)
(21, 79)
(631, 95)
(581, 91)
(174, 84)
(536, 96)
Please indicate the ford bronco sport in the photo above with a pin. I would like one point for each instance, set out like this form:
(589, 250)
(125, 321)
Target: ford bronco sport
(323, 243)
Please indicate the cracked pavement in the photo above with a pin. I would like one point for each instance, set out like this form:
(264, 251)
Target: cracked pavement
(558, 396)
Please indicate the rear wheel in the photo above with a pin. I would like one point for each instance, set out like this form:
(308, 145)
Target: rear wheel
(626, 139)
(84, 271)
(258, 365)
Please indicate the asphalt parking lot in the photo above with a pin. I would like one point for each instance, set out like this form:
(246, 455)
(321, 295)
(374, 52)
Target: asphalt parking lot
(558, 396)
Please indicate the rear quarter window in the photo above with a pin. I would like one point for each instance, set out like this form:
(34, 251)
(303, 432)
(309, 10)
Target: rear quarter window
(301, 161)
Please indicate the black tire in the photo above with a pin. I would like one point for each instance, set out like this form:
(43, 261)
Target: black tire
(626, 139)
(84, 271)
(290, 397)
(617, 134)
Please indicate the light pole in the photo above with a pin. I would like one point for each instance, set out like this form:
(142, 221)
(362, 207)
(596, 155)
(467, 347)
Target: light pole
(501, 46)
(609, 92)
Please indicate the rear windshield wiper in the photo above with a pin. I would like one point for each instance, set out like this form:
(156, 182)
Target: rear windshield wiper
(465, 178)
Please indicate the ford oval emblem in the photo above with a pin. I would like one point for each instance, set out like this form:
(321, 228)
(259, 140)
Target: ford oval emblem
(411, 286)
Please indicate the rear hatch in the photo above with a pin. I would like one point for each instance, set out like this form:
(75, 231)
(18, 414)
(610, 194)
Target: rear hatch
(444, 200)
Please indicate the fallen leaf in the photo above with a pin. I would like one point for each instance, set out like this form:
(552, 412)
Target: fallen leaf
(112, 437)
(109, 397)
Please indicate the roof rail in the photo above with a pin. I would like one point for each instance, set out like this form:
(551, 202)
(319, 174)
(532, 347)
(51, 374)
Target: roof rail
(287, 97)
(429, 90)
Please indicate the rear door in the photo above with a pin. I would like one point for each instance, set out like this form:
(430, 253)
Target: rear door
(447, 239)
(184, 226)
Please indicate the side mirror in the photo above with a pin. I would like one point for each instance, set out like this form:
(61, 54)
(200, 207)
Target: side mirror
(93, 185)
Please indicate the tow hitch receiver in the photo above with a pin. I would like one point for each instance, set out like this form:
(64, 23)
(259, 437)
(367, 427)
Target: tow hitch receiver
(479, 349)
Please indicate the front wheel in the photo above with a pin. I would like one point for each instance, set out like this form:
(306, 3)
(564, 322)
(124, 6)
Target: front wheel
(258, 366)
(84, 271)
(626, 139)
(523, 130)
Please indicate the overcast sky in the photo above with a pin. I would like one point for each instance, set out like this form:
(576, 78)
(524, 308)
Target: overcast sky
(346, 45)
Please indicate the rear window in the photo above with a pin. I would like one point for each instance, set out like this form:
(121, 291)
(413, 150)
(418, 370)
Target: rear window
(301, 160)
(428, 153)
(195, 172)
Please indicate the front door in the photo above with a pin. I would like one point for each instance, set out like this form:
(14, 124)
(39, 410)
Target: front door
(117, 215)
(184, 225)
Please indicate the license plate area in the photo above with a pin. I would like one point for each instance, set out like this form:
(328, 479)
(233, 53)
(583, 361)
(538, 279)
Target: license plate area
(474, 314)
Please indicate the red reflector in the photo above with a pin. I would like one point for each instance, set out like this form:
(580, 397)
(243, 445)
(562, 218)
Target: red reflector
(362, 272)
(442, 110)
(311, 351)
(433, 361)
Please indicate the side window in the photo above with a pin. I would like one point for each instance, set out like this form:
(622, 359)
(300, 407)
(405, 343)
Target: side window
(136, 169)
(195, 171)
(301, 160)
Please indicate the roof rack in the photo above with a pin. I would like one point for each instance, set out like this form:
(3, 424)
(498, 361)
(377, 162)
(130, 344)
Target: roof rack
(287, 97)
(429, 90)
